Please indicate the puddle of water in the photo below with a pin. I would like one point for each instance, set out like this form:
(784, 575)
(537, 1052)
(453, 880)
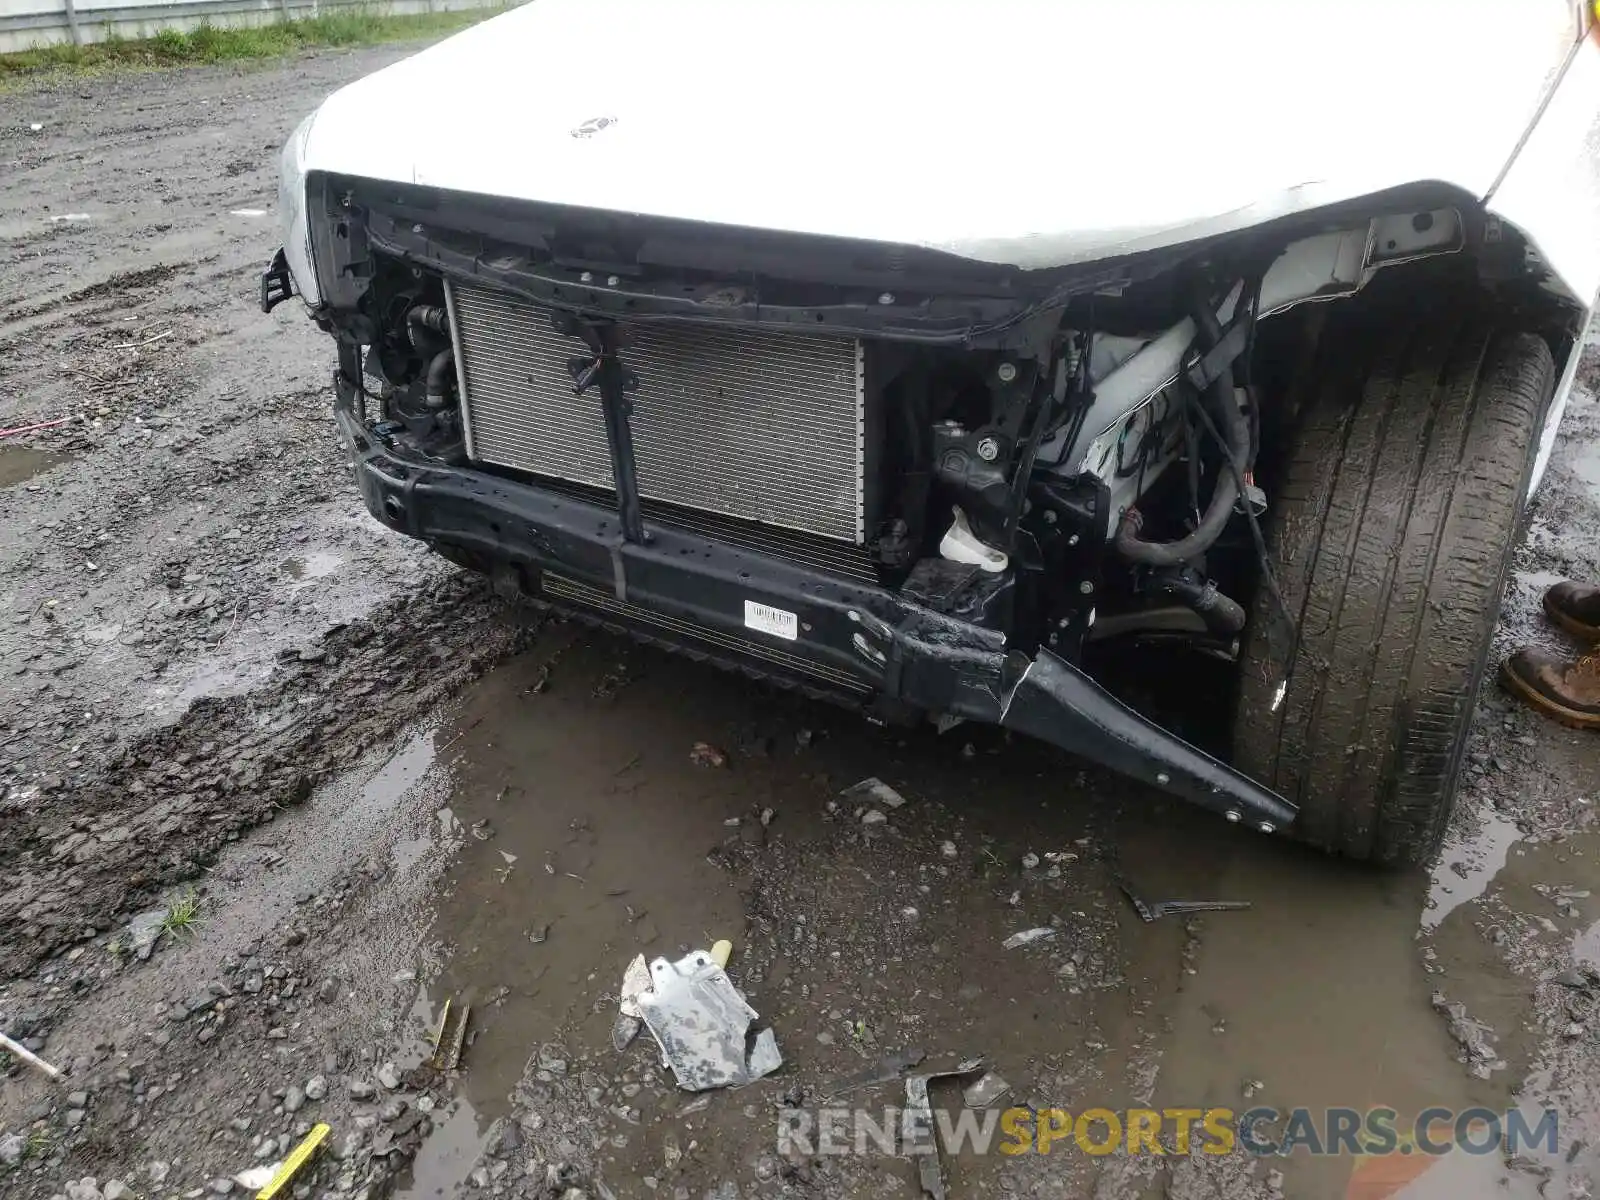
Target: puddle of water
(447, 1154)
(1316, 992)
(306, 569)
(1466, 868)
(408, 852)
(21, 463)
(358, 806)
(585, 830)
(591, 836)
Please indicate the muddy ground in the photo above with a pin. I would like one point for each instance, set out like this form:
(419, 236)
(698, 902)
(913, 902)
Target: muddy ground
(275, 786)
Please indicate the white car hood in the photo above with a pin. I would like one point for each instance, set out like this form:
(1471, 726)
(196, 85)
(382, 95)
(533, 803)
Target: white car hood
(1030, 132)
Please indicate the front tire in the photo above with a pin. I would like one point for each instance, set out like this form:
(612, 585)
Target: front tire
(1400, 501)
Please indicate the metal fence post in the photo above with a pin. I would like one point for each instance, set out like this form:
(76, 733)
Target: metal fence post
(72, 23)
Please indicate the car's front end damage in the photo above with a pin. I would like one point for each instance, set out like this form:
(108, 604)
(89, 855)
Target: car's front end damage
(925, 483)
(876, 473)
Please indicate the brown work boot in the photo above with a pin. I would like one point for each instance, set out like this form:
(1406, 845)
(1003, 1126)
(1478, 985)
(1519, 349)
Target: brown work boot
(1576, 608)
(1563, 688)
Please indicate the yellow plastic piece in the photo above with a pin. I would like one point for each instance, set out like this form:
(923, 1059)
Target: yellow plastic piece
(298, 1157)
(722, 951)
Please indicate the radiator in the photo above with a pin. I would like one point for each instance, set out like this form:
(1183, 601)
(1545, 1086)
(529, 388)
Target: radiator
(765, 427)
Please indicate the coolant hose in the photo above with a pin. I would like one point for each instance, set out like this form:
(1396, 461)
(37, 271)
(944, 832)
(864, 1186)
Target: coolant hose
(439, 377)
(427, 316)
(1222, 614)
(1235, 428)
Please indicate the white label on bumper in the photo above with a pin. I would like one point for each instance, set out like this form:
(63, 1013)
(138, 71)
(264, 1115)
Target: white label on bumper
(771, 620)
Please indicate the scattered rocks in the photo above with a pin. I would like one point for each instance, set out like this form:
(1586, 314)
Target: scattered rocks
(144, 931)
(1474, 1037)
(12, 1148)
(316, 1087)
(504, 1138)
(360, 1089)
(294, 1099)
(873, 816)
(388, 1076)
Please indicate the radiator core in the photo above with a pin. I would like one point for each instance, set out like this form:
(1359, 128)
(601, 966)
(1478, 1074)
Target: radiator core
(761, 426)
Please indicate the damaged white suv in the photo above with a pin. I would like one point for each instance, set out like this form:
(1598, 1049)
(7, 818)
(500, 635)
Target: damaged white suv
(920, 355)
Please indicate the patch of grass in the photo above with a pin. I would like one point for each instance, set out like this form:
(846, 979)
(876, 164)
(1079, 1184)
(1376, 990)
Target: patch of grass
(183, 913)
(213, 44)
(38, 1145)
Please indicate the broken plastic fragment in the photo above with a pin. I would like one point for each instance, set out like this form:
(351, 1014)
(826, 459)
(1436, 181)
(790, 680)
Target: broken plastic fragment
(984, 1091)
(1028, 936)
(703, 1025)
(873, 789)
(255, 1178)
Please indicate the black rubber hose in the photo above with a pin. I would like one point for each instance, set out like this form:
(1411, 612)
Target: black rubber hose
(439, 371)
(1236, 429)
(1221, 613)
(428, 316)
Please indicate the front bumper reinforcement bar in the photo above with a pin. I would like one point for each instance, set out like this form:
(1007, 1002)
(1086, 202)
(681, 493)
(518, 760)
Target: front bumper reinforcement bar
(869, 638)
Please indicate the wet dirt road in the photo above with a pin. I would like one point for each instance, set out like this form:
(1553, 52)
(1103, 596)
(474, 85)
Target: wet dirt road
(226, 687)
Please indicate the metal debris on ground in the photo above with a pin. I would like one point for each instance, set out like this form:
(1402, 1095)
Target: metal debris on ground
(875, 790)
(298, 1157)
(541, 682)
(890, 1068)
(984, 1091)
(918, 1138)
(451, 1036)
(23, 1054)
(703, 1025)
(629, 1019)
(1151, 910)
(1028, 937)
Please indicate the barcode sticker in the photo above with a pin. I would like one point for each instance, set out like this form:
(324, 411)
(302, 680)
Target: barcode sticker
(771, 620)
